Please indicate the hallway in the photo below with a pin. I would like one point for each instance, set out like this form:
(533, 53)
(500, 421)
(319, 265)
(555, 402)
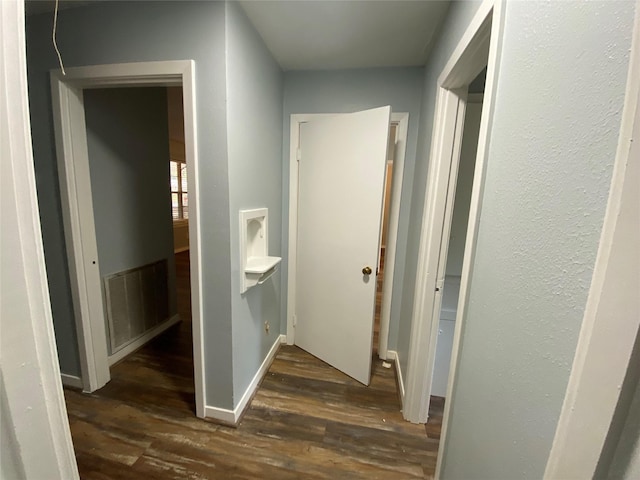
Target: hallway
(307, 420)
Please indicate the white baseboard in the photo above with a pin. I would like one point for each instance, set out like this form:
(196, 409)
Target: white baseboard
(136, 344)
(393, 355)
(231, 417)
(71, 381)
(222, 415)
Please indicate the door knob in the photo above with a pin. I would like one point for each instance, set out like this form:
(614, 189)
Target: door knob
(366, 271)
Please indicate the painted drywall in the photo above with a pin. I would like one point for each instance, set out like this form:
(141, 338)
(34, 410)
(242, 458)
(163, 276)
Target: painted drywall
(345, 91)
(128, 144)
(459, 16)
(114, 32)
(559, 96)
(254, 132)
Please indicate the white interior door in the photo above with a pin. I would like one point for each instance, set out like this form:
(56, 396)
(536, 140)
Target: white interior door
(340, 193)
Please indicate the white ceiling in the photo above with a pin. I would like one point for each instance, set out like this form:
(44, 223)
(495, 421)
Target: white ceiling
(35, 7)
(332, 34)
(324, 34)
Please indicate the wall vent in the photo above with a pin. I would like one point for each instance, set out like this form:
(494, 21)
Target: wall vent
(136, 301)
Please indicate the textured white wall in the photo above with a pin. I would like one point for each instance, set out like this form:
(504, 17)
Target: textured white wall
(560, 92)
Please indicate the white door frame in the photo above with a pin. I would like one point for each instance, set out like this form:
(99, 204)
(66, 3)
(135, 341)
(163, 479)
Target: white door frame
(402, 120)
(77, 207)
(611, 321)
(479, 46)
(33, 415)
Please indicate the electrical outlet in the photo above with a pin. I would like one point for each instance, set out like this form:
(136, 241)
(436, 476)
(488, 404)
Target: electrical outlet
(266, 327)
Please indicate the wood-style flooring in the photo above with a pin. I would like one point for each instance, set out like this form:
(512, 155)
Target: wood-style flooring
(306, 421)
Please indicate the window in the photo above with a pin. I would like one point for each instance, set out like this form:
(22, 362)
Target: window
(179, 195)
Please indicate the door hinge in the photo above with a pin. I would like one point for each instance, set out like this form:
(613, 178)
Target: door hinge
(439, 285)
(298, 154)
(295, 320)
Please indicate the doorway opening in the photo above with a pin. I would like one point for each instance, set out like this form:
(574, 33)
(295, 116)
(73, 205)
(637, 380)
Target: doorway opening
(129, 162)
(380, 346)
(386, 204)
(139, 187)
(476, 55)
(179, 192)
(362, 273)
(102, 285)
(455, 250)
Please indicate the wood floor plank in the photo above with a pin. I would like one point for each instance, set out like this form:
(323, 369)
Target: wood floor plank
(114, 444)
(307, 420)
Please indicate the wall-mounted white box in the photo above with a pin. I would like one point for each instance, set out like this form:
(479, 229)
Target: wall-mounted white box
(256, 266)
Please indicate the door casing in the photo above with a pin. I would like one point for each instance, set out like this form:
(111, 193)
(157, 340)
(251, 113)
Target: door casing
(480, 45)
(77, 209)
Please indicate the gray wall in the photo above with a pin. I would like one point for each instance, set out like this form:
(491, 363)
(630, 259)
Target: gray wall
(128, 143)
(254, 129)
(560, 91)
(345, 91)
(113, 32)
(459, 16)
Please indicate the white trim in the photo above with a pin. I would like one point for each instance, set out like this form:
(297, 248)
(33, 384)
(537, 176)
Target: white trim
(82, 250)
(605, 346)
(72, 381)
(232, 417)
(469, 57)
(402, 132)
(392, 355)
(483, 35)
(222, 415)
(33, 409)
(436, 222)
(400, 118)
(144, 339)
(79, 223)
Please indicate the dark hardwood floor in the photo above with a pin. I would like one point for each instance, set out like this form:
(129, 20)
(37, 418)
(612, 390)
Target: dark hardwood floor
(306, 421)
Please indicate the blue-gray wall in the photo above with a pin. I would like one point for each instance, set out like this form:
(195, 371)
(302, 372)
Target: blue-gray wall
(345, 91)
(560, 91)
(114, 32)
(128, 144)
(254, 132)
